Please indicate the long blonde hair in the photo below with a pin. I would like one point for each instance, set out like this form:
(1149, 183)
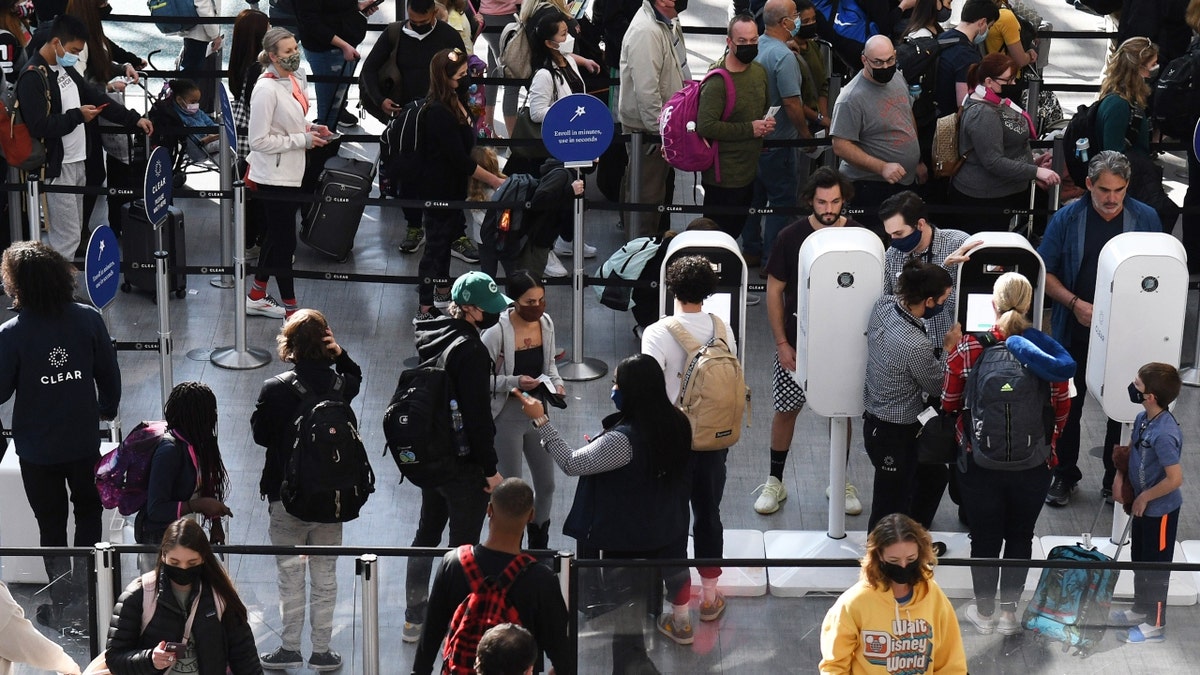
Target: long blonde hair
(1013, 295)
(1123, 73)
(484, 156)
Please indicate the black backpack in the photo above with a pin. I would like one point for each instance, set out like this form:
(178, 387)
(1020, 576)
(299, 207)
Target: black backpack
(1008, 421)
(1082, 125)
(1175, 101)
(399, 159)
(916, 61)
(504, 232)
(417, 424)
(328, 477)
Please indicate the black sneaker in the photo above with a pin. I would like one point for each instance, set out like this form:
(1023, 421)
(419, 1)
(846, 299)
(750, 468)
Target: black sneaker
(1059, 493)
(1106, 493)
(464, 249)
(329, 660)
(347, 119)
(281, 659)
(413, 239)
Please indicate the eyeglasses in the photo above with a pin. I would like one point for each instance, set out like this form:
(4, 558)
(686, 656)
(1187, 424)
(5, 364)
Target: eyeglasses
(876, 63)
(1002, 80)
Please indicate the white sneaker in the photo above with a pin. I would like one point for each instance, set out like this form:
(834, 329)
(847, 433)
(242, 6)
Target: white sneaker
(267, 306)
(554, 266)
(986, 625)
(566, 248)
(772, 493)
(853, 506)
(1008, 624)
(752, 299)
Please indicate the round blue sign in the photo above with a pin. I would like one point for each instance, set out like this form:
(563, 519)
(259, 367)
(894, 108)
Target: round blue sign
(577, 129)
(102, 267)
(158, 185)
(227, 117)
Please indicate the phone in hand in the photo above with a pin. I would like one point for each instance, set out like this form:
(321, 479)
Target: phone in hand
(100, 107)
(175, 648)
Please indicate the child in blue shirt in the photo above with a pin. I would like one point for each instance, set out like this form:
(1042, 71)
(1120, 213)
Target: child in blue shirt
(1155, 475)
(186, 96)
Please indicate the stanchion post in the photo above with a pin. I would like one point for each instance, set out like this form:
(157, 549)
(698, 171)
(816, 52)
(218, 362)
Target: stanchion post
(104, 555)
(14, 198)
(367, 567)
(838, 446)
(239, 356)
(634, 180)
(33, 206)
(580, 369)
(1058, 163)
(225, 158)
(163, 295)
(565, 560)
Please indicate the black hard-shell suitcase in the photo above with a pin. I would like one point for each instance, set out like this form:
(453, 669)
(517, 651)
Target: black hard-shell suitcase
(331, 223)
(138, 241)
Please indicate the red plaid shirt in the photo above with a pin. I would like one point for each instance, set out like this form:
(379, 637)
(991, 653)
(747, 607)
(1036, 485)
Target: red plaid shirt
(958, 367)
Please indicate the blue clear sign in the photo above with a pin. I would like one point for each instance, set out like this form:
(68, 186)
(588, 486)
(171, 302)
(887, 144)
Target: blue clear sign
(102, 267)
(158, 185)
(227, 117)
(577, 129)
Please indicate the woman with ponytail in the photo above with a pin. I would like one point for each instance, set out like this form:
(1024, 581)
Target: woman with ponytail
(1002, 504)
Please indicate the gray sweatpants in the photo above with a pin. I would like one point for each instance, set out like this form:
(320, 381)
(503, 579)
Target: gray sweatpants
(516, 437)
(287, 530)
(64, 212)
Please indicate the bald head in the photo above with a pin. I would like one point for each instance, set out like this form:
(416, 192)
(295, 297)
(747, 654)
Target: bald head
(777, 10)
(879, 47)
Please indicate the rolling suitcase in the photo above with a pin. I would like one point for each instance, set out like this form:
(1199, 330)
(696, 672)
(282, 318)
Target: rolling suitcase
(1071, 605)
(137, 249)
(330, 224)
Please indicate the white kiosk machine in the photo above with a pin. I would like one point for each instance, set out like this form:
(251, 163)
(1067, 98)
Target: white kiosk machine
(1137, 317)
(999, 253)
(729, 301)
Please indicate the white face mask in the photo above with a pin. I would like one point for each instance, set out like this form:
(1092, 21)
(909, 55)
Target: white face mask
(567, 47)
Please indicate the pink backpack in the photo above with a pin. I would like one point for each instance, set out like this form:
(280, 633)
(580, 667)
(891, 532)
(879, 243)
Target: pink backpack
(682, 147)
(123, 474)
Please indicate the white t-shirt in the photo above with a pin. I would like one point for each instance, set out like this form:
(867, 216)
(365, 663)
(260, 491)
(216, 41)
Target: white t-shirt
(658, 342)
(74, 143)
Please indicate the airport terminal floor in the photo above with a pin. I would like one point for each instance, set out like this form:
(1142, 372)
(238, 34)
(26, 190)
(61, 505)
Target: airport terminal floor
(774, 617)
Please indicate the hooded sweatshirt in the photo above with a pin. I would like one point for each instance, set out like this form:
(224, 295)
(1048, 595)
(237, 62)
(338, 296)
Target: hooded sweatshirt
(868, 632)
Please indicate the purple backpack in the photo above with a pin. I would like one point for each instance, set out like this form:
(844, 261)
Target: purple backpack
(123, 475)
(682, 147)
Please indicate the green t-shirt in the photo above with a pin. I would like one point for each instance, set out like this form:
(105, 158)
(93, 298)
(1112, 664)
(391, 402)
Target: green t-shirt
(738, 150)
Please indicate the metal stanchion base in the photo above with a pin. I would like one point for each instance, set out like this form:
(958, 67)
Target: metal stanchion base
(228, 357)
(1190, 376)
(221, 282)
(588, 369)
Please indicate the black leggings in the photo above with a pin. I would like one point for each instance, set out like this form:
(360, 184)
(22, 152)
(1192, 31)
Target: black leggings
(279, 239)
(46, 488)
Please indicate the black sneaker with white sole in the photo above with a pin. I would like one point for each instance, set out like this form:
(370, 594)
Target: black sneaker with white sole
(1059, 493)
(464, 249)
(414, 238)
(281, 659)
(347, 119)
(323, 661)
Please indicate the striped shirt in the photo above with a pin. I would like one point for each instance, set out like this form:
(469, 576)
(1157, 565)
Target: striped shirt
(942, 243)
(901, 365)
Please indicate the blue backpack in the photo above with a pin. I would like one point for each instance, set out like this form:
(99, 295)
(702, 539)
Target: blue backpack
(171, 9)
(847, 19)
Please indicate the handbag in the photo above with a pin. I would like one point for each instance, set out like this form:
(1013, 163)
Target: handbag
(937, 443)
(1120, 459)
(946, 158)
(526, 129)
(20, 148)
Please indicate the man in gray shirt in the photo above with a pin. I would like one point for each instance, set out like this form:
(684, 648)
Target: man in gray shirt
(874, 132)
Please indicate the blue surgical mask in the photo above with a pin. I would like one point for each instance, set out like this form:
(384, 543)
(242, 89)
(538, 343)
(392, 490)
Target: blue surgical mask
(616, 397)
(931, 312)
(981, 38)
(909, 242)
(67, 59)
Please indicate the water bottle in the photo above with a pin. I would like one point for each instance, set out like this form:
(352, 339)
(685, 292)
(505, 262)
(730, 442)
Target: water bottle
(460, 437)
(1081, 149)
(914, 93)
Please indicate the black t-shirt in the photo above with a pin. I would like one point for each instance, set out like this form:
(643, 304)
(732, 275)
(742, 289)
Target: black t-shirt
(784, 264)
(1097, 232)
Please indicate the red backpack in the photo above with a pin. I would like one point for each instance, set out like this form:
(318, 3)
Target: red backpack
(682, 146)
(485, 606)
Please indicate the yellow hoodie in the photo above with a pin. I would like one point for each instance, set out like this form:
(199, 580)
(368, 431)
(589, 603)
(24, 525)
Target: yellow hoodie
(867, 632)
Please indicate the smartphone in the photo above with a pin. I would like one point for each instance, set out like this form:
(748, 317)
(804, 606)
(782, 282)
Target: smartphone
(176, 648)
(102, 106)
(333, 136)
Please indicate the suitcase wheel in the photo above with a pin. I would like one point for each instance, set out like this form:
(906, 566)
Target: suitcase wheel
(181, 293)
(126, 287)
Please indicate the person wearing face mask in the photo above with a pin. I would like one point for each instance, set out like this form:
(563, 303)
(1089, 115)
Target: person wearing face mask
(183, 108)
(319, 364)
(199, 623)
(896, 611)
(922, 18)
(904, 373)
(954, 60)
(632, 498)
(1004, 37)
(280, 135)
(814, 84)
(910, 236)
(330, 32)
(522, 347)
(1003, 499)
(874, 132)
(62, 125)
(739, 135)
(475, 306)
(994, 134)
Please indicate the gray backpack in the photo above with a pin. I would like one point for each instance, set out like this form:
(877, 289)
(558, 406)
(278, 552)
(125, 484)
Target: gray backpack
(1008, 419)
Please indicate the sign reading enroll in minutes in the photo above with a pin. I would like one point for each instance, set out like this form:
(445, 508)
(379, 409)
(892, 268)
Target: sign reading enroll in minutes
(158, 186)
(577, 129)
(102, 268)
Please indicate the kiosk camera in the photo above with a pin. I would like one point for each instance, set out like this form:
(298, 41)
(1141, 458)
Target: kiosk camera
(729, 300)
(840, 277)
(1137, 315)
(999, 253)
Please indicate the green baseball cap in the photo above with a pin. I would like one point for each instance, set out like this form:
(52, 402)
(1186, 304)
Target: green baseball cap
(478, 289)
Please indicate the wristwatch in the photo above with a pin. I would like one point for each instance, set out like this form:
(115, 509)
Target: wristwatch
(820, 117)
(540, 421)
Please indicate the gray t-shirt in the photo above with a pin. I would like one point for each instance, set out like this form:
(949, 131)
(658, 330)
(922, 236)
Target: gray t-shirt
(783, 81)
(879, 119)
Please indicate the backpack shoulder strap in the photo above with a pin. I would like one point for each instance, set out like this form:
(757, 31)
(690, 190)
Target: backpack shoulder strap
(986, 338)
(718, 331)
(445, 355)
(682, 336)
(466, 558)
(513, 569)
(292, 380)
(149, 597)
(730, 92)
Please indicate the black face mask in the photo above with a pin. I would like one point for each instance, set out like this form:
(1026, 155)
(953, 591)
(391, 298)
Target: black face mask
(745, 53)
(105, 11)
(487, 320)
(421, 29)
(181, 576)
(943, 15)
(1135, 396)
(902, 574)
(680, 5)
(883, 75)
(806, 31)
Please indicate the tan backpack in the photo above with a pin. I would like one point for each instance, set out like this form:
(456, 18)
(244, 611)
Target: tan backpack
(713, 393)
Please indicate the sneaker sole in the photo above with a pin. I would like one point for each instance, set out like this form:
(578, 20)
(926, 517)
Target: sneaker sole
(714, 616)
(412, 249)
(778, 505)
(290, 665)
(464, 257)
(322, 669)
(568, 254)
(1017, 630)
(269, 315)
(854, 511)
(677, 640)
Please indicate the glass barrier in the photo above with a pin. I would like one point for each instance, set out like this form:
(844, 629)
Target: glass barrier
(773, 616)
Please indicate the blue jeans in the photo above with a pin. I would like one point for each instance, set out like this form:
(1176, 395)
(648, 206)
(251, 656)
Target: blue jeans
(708, 486)
(775, 185)
(330, 95)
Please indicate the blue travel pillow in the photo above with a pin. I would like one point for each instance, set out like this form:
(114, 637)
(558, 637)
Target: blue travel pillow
(1042, 354)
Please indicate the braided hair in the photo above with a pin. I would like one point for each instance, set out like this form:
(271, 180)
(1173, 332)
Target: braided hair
(191, 412)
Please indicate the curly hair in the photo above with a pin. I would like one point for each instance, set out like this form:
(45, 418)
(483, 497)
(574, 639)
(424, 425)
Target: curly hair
(691, 278)
(1123, 73)
(302, 337)
(893, 529)
(37, 278)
